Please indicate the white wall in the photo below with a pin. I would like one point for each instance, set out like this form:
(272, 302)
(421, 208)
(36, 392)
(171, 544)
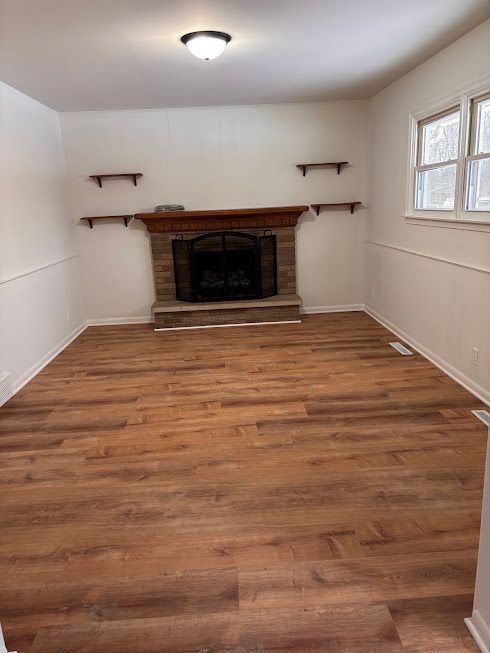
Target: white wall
(40, 291)
(433, 283)
(208, 158)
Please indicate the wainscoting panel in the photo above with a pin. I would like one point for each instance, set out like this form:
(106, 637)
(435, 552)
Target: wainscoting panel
(42, 312)
(440, 307)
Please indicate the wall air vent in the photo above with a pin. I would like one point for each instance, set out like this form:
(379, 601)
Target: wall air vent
(483, 416)
(6, 390)
(401, 349)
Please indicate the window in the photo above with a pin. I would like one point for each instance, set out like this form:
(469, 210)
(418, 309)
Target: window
(450, 161)
(437, 158)
(478, 160)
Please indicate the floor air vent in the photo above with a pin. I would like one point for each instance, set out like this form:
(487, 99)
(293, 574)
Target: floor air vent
(401, 349)
(483, 416)
(6, 390)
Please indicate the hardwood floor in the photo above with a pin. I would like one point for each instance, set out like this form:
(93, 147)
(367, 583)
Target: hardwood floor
(277, 488)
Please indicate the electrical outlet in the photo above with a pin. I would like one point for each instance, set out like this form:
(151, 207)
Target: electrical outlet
(475, 356)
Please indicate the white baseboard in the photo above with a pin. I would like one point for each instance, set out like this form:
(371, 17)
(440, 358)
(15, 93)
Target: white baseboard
(114, 321)
(47, 358)
(57, 349)
(480, 393)
(470, 385)
(341, 308)
(479, 630)
(226, 326)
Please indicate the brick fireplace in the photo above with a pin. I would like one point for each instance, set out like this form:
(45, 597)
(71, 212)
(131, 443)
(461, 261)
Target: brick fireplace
(222, 295)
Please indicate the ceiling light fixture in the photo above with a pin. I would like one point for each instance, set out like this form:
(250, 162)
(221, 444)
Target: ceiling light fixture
(206, 45)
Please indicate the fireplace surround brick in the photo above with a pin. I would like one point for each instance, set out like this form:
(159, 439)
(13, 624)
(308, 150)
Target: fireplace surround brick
(161, 247)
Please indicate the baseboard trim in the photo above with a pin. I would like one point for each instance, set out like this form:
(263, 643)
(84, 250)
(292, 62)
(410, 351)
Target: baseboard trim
(114, 321)
(226, 326)
(18, 384)
(342, 308)
(479, 631)
(55, 351)
(477, 390)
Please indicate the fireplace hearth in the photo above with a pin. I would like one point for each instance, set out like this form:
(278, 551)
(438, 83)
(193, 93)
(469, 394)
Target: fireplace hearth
(225, 266)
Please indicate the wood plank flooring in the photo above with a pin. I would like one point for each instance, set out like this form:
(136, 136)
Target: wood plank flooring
(287, 488)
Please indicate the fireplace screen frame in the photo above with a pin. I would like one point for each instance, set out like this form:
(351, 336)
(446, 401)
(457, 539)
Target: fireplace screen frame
(187, 282)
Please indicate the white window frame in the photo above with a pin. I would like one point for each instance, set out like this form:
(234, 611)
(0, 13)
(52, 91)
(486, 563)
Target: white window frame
(472, 137)
(459, 216)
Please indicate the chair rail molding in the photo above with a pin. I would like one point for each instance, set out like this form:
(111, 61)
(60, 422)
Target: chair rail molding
(432, 257)
(26, 273)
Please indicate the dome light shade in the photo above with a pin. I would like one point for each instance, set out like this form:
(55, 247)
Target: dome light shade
(206, 45)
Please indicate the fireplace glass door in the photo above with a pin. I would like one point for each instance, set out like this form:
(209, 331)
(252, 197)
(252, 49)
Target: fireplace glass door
(225, 266)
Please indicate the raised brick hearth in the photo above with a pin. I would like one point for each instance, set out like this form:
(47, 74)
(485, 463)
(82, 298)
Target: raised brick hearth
(170, 313)
(175, 314)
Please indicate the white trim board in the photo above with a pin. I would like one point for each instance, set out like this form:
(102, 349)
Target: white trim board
(342, 308)
(47, 358)
(401, 349)
(226, 326)
(439, 259)
(448, 369)
(448, 223)
(479, 631)
(477, 390)
(33, 371)
(13, 277)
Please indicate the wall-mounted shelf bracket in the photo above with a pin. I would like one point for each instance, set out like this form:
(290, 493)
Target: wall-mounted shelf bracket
(331, 164)
(94, 218)
(120, 175)
(336, 205)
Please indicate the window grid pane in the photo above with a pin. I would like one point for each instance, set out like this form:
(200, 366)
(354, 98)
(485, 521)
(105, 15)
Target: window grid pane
(435, 188)
(481, 116)
(478, 185)
(439, 139)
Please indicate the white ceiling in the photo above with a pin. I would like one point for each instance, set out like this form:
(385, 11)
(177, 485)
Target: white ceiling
(122, 54)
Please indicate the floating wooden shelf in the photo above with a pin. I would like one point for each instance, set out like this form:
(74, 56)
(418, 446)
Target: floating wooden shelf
(336, 205)
(121, 175)
(92, 218)
(332, 164)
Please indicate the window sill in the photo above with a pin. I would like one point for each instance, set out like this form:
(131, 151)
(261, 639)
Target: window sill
(448, 223)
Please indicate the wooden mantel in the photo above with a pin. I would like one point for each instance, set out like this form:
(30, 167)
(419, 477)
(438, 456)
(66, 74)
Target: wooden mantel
(217, 220)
